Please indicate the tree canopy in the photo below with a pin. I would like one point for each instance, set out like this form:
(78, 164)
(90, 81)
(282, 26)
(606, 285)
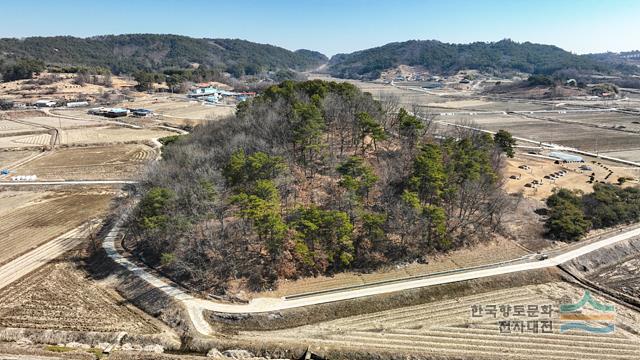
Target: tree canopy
(314, 178)
(504, 56)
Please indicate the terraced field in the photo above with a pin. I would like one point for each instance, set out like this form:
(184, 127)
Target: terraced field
(23, 141)
(623, 277)
(28, 220)
(59, 297)
(59, 123)
(110, 135)
(7, 126)
(90, 163)
(446, 329)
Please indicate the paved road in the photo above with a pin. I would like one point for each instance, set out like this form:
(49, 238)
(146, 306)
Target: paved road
(32, 260)
(195, 307)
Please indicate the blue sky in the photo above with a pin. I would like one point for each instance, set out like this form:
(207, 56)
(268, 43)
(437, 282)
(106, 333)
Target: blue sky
(333, 26)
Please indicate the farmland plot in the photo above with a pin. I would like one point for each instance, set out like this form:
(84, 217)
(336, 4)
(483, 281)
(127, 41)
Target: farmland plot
(447, 329)
(574, 135)
(9, 157)
(25, 141)
(90, 163)
(60, 297)
(608, 119)
(110, 135)
(10, 127)
(623, 277)
(60, 123)
(39, 219)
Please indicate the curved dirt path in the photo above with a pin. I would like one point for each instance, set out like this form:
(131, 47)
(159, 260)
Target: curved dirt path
(195, 306)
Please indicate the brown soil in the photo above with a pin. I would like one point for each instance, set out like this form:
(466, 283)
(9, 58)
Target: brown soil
(39, 219)
(445, 329)
(90, 163)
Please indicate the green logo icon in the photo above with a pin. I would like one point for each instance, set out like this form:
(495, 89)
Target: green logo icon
(579, 321)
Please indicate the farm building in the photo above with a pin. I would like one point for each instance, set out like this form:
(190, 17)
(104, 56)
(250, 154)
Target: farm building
(565, 157)
(204, 91)
(45, 103)
(109, 112)
(141, 112)
(77, 104)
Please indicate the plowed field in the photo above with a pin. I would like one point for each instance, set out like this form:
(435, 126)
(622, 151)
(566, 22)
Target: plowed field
(59, 297)
(90, 163)
(29, 221)
(446, 329)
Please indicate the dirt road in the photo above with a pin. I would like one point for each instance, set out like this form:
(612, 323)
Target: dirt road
(195, 307)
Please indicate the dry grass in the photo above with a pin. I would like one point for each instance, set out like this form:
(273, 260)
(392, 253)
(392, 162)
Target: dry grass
(109, 135)
(499, 249)
(445, 329)
(59, 297)
(90, 163)
(38, 219)
(9, 157)
(575, 179)
(25, 141)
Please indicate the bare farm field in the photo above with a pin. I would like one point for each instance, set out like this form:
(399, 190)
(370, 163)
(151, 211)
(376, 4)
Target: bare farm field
(90, 163)
(59, 122)
(12, 127)
(60, 297)
(25, 141)
(632, 154)
(438, 100)
(31, 219)
(483, 253)
(602, 119)
(447, 329)
(583, 137)
(623, 277)
(11, 157)
(173, 110)
(169, 108)
(110, 135)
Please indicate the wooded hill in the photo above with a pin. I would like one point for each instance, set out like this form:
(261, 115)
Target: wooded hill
(442, 58)
(129, 53)
(315, 178)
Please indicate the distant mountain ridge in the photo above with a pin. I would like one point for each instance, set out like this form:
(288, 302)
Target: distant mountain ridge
(128, 53)
(626, 57)
(438, 57)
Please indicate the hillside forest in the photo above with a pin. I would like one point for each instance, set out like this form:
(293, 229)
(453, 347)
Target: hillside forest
(314, 178)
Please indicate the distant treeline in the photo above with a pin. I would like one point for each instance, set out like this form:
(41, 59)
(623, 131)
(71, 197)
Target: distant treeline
(572, 214)
(498, 57)
(151, 52)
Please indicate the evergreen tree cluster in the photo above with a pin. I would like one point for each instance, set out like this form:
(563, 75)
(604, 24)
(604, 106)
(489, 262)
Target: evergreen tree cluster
(314, 178)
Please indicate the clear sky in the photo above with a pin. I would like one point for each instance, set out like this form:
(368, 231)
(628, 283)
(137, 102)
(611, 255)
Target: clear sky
(336, 26)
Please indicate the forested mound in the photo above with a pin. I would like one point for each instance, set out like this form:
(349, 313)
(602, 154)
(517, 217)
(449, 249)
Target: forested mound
(315, 178)
(155, 52)
(504, 56)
